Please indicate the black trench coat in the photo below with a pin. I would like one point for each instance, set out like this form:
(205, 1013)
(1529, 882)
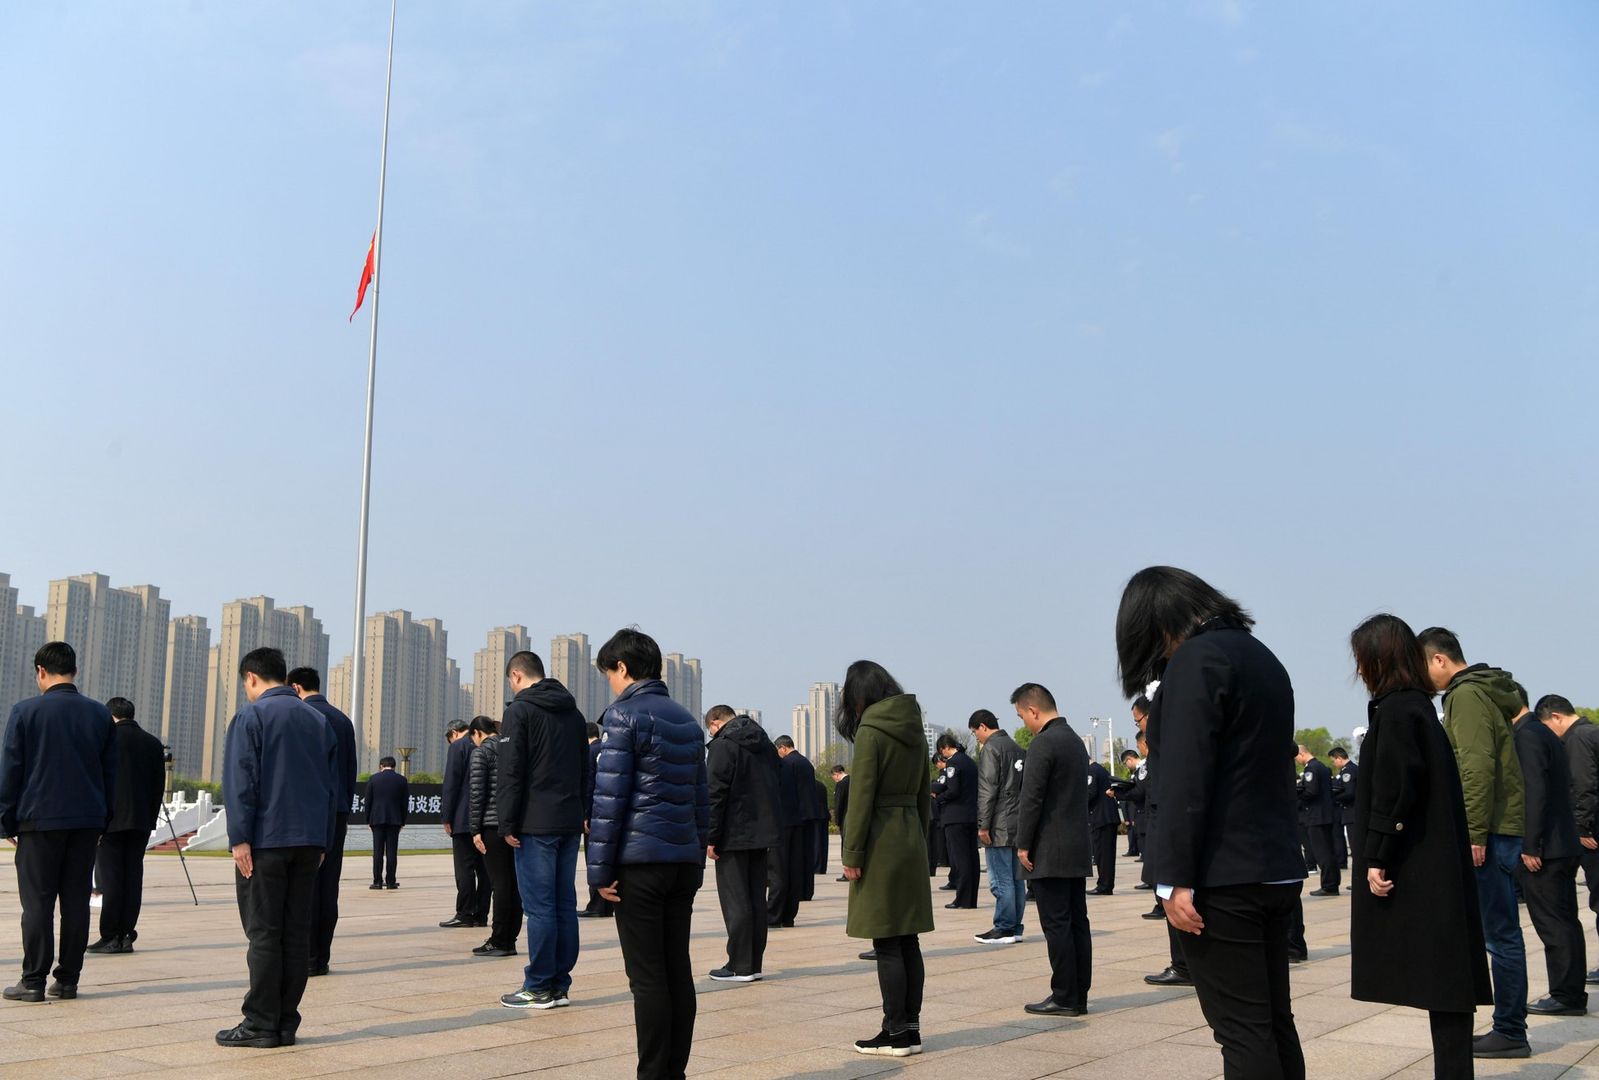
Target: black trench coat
(1422, 944)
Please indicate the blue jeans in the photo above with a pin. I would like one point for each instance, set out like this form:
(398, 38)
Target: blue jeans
(1501, 929)
(546, 872)
(1010, 891)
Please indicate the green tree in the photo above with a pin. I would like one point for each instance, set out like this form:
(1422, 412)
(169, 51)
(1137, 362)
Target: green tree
(426, 778)
(1591, 714)
(1023, 736)
(1317, 740)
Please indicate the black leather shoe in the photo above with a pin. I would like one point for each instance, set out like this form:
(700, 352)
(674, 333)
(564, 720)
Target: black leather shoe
(841, 877)
(104, 945)
(1495, 1045)
(869, 954)
(1143, 887)
(317, 970)
(286, 1038)
(248, 1036)
(492, 950)
(375, 886)
(392, 885)
(955, 905)
(1050, 1007)
(587, 914)
(946, 888)
(61, 990)
(1323, 892)
(1102, 892)
(1553, 1006)
(20, 992)
(1154, 915)
(457, 921)
(1169, 977)
(1298, 957)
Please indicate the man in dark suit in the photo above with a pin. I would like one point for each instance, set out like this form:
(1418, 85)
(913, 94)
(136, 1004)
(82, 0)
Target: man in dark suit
(1345, 782)
(823, 816)
(1580, 738)
(958, 813)
(1548, 873)
(792, 865)
(1052, 844)
(598, 907)
(388, 800)
(279, 769)
(472, 886)
(307, 682)
(840, 804)
(57, 772)
(135, 802)
(1104, 817)
(1320, 817)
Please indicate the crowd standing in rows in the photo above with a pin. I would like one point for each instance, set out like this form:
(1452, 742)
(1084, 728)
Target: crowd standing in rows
(1445, 824)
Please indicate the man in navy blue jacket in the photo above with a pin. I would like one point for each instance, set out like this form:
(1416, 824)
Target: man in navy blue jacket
(472, 886)
(56, 770)
(281, 788)
(307, 682)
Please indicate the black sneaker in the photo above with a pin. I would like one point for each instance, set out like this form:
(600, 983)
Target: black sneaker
(248, 1036)
(1495, 1045)
(885, 1045)
(724, 974)
(996, 936)
(491, 950)
(104, 945)
(916, 1041)
(534, 999)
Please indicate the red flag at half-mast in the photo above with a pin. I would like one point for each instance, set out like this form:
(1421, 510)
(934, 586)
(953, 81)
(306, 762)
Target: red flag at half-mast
(366, 277)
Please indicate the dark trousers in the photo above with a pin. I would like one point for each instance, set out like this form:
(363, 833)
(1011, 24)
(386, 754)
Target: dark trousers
(1551, 896)
(1174, 942)
(1063, 913)
(275, 904)
(787, 874)
(741, 887)
(1296, 933)
(936, 855)
(499, 859)
(901, 977)
(1589, 860)
(54, 866)
(325, 908)
(1105, 857)
(821, 847)
(1321, 843)
(1451, 1045)
(119, 870)
(385, 853)
(1240, 969)
(1132, 833)
(961, 842)
(472, 888)
(652, 924)
(808, 841)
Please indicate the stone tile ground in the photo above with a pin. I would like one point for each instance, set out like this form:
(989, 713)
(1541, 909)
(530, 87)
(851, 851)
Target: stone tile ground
(405, 993)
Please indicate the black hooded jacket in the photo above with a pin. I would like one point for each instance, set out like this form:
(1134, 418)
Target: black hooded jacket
(544, 762)
(742, 770)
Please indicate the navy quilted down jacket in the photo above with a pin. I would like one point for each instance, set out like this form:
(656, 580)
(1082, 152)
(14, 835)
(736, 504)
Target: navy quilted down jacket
(651, 804)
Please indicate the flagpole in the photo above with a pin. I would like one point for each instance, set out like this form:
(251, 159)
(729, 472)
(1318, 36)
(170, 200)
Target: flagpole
(358, 650)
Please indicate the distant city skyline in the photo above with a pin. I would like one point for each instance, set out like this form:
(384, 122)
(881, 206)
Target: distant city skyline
(186, 689)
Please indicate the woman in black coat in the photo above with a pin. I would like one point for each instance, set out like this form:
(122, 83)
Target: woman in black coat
(1415, 931)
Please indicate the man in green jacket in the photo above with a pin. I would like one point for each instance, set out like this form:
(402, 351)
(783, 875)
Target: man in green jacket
(1481, 705)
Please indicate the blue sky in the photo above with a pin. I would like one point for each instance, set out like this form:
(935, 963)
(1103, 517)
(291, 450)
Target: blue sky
(799, 332)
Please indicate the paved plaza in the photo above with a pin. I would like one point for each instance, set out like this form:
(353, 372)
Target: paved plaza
(406, 999)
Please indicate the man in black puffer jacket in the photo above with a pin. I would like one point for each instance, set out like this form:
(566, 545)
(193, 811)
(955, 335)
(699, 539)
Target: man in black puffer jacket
(544, 768)
(647, 838)
(742, 769)
(483, 772)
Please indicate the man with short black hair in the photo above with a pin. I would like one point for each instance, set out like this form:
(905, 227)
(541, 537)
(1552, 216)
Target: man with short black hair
(999, 786)
(958, 813)
(135, 803)
(1316, 809)
(790, 863)
(279, 771)
(1580, 737)
(840, 804)
(57, 772)
(1052, 845)
(742, 770)
(545, 781)
(1548, 874)
(307, 682)
(1345, 782)
(1480, 705)
(472, 886)
(1104, 818)
(388, 802)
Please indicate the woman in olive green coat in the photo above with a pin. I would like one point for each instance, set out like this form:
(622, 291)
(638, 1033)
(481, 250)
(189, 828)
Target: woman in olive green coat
(885, 856)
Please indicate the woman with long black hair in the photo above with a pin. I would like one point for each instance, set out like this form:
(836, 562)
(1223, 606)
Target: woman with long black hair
(885, 849)
(1414, 892)
(1223, 845)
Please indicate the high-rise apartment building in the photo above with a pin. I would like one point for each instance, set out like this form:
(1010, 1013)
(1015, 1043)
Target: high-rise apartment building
(248, 625)
(815, 731)
(407, 696)
(21, 634)
(338, 687)
(490, 688)
(120, 636)
(572, 664)
(463, 701)
(683, 681)
(753, 714)
(183, 716)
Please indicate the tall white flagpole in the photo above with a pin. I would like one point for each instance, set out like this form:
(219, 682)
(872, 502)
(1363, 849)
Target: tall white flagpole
(358, 651)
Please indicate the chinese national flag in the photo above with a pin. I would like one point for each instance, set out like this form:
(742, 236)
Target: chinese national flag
(366, 277)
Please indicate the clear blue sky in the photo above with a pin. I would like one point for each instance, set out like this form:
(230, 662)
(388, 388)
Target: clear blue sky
(799, 332)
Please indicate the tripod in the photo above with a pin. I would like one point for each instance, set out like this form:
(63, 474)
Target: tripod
(174, 830)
